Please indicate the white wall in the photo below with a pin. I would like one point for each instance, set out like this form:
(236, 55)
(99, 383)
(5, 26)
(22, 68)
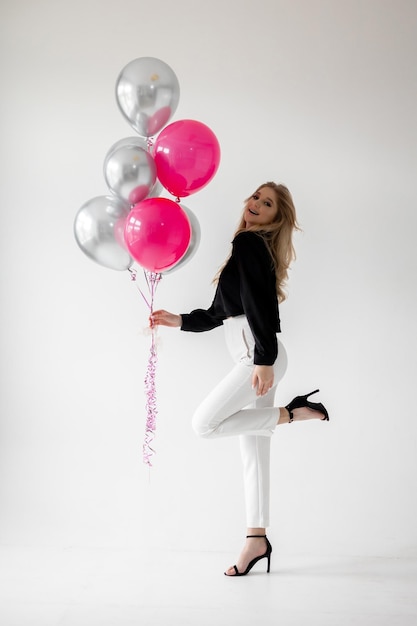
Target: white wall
(317, 94)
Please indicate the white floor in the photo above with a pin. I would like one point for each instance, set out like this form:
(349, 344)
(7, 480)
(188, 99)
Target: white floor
(103, 587)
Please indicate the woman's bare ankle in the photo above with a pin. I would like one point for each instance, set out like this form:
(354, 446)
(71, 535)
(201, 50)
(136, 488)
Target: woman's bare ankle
(283, 416)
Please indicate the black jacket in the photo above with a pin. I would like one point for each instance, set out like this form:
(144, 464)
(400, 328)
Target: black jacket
(246, 287)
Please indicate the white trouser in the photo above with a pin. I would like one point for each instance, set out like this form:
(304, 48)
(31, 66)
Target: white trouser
(233, 408)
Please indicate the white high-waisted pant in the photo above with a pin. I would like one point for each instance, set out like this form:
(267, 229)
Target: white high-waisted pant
(233, 408)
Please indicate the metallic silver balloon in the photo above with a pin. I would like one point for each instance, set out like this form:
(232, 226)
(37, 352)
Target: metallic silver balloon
(130, 172)
(156, 190)
(99, 231)
(194, 241)
(139, 142)
(147, 93)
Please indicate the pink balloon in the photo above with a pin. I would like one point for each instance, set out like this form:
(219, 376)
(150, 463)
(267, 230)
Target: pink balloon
(157, 233)
(187, 156)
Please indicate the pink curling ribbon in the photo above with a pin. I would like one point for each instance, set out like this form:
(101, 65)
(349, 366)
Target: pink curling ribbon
(152, 280)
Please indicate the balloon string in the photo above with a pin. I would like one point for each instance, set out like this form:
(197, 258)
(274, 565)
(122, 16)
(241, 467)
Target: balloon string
(150, 406)
(133, 276)
(152, 280)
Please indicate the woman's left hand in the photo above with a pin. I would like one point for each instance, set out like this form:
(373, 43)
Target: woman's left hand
(262, 379)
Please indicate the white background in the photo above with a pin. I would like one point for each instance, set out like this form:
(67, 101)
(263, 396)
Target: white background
(317, 94)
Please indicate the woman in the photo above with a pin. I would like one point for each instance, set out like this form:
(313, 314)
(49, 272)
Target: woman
(249, 287)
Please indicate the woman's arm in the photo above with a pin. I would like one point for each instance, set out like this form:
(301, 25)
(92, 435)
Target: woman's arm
(197, 321)
(258, 294)
(164, 318)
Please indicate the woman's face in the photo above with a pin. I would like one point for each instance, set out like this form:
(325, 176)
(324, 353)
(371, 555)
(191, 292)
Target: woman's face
(261, 208)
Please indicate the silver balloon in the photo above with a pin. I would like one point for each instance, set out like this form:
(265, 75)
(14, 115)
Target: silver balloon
(156, 190)
(194, 241)
(99, 231)
(147, 93)
(130, 172)
(139, 142)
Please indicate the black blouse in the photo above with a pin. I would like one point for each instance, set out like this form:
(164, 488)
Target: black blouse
(246, 287)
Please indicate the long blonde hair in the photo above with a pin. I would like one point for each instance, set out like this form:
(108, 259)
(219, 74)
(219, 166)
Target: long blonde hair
(277, 235)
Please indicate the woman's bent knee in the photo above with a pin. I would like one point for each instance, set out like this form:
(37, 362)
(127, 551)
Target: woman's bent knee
(201, 424)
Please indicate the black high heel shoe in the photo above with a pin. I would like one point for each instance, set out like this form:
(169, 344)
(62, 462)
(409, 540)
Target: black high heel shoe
(301, 401)
(267, 555)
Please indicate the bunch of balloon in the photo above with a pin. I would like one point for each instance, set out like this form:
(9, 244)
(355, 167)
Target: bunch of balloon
(183, 158)
(133, 223)
(147, 93)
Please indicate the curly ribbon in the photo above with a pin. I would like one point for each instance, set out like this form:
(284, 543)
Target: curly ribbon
(152, 280)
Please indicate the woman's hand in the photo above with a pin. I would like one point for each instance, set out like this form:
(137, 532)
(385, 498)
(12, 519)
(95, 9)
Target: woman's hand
(164, 318)
(262, 379)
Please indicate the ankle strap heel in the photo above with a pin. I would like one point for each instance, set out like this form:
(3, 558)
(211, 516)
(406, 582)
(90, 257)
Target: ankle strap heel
(266, 555)
(302, 401)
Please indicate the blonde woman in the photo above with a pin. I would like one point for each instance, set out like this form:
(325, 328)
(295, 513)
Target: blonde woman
(249, 288)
